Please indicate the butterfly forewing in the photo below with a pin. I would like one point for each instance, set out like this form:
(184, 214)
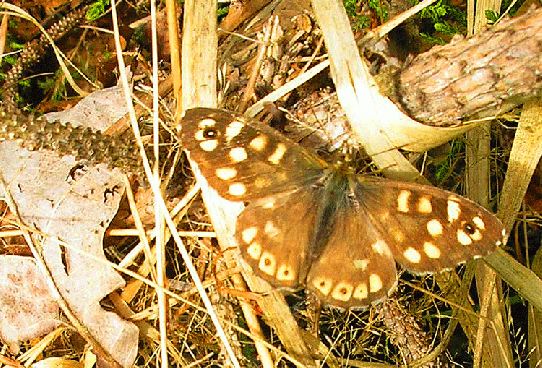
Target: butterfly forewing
(243, 161)
(428, 229)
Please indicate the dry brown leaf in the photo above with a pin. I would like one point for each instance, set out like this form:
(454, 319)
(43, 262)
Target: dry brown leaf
(57, 363)
(28, 309)
(75, 209)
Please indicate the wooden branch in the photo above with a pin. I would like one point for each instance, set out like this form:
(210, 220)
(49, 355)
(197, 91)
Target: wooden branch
(477, 77)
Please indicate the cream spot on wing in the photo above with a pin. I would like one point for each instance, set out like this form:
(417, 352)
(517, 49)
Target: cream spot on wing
(278, 154)
(285, 273)
(375, 283)
(384, 216)
(233, 130)
(361, 291)
(238, 154)
(261, 182)
(268, 203)
(424, 205)
(402, 201)
(199, 136)
(259, 143)
(271, 230)
(237, 189)
(254, 250)
(398, 235)
(361, 264)
(412, 255)
(380, 247)
(226, 173)
(206, 123)
(209, 146)
(431, 250)
(342, 292)
(453, 209)
(249, 234)
(434, 227)
(499, 242)
(479, 223)
(268, 263)
(322, 284)
(463, 238)
(476, 236)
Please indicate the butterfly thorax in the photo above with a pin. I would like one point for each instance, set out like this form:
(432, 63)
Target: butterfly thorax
(336, 193)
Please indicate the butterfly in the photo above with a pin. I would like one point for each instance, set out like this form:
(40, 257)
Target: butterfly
(307, 223)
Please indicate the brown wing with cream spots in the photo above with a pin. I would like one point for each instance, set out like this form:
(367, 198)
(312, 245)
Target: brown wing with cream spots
(428, 229)
(273, 236)
(277, 237)
(356, 268)
(243, 160)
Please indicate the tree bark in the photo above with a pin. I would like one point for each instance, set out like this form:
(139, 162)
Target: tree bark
(477, 77)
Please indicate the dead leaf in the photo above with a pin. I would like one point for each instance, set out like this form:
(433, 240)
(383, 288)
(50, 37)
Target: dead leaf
(28, 309)
(57, 363)
(77, 212)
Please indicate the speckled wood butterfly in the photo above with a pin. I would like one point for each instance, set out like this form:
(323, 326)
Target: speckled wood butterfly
(337, 233)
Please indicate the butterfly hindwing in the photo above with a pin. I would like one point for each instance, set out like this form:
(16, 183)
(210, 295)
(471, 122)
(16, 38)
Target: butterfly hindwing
(356, 267)
(352, 269)
(278, 250)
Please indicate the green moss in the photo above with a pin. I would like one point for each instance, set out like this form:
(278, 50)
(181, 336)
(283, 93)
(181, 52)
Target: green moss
(445, 20)
(97, 9)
